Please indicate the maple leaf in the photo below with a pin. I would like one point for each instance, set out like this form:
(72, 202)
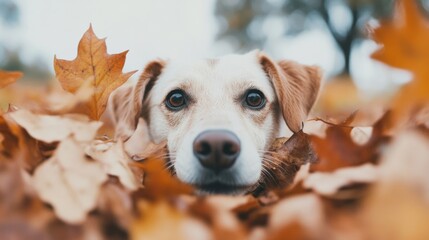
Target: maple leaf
(7, 78)
(94, 64)
(404, 41)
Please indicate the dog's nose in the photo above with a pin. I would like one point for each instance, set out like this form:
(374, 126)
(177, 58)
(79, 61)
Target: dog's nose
(216, 149)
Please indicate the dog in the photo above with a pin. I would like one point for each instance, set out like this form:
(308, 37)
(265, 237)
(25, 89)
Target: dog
(218, 116)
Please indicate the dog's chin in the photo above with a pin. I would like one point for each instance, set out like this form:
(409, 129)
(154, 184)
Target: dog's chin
(221, 188)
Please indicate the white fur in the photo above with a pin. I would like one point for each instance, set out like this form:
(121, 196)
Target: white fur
(213, 88)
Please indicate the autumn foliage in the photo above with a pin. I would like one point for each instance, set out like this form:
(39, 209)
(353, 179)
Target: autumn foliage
(62, 176)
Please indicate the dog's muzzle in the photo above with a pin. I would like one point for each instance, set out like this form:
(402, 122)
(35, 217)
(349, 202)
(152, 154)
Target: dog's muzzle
(216, 150)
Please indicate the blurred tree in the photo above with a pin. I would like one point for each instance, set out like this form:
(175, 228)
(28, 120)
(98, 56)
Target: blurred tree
(10, 59)
(242, 21)
(9, 11)
(35, 70)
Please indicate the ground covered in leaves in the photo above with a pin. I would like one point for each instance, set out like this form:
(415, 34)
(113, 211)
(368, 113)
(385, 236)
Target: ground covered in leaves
(62, 176)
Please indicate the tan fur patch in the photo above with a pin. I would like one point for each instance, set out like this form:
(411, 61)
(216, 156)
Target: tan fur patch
(260, 116)
(296, 87)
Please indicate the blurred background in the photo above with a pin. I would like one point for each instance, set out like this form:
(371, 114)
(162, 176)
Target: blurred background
(330, 33)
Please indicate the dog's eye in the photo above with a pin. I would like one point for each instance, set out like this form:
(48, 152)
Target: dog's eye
(255, 99)
(176, 100)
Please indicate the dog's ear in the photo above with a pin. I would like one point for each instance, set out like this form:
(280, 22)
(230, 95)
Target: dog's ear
(126, 102)
(296, 87)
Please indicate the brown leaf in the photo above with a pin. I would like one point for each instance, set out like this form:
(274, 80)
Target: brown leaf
(340, 148)
(404, 45)
(116, 201)
(115, 162)
(19, 145)
(162, 221)
(218, 213)
(402, 191)
(93, 64)
(69, 181)
(305, 211)
(395, 212)
(64, 102)
(327, 184)
(284, 159)
(7, 78)
(56, 128)
(158, 181)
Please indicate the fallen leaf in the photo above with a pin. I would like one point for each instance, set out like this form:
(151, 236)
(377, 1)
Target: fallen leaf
(284, 159)
(404, 45)
(69, 181)
(18, 144)
(162, 221)
(402, 191)
(158, 182)
(345, 145)
(218, 212)
(405, 161)
(7, 78)
(64, 102)
(56, 128)
(327, 184)
(93, 64)
(305, 210)
(115, 162)
(395, 212)
(115, 200)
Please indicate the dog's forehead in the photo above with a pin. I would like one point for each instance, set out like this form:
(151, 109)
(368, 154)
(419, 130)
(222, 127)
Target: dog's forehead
(230, 71)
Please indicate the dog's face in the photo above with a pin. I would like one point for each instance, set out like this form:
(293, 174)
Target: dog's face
(218, 116)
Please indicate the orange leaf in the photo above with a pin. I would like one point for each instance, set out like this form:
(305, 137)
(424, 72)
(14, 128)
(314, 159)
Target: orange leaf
(7, 78)
(94, 64)
(405, 45)
(338, 149)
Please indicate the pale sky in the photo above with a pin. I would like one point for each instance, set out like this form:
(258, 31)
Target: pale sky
(168, 29)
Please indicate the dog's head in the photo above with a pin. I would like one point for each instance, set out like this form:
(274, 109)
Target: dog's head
(218, 116)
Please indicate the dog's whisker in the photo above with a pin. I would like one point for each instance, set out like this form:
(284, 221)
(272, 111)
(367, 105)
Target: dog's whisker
(268, 175)
(266, 151)
(272, 161)
(274, 164)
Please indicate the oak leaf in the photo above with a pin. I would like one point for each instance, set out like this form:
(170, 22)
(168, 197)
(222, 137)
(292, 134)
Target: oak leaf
(94, 64)
(404, 39)
(7, 77)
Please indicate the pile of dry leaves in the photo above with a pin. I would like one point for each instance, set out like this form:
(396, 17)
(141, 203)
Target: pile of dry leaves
(63, 177)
